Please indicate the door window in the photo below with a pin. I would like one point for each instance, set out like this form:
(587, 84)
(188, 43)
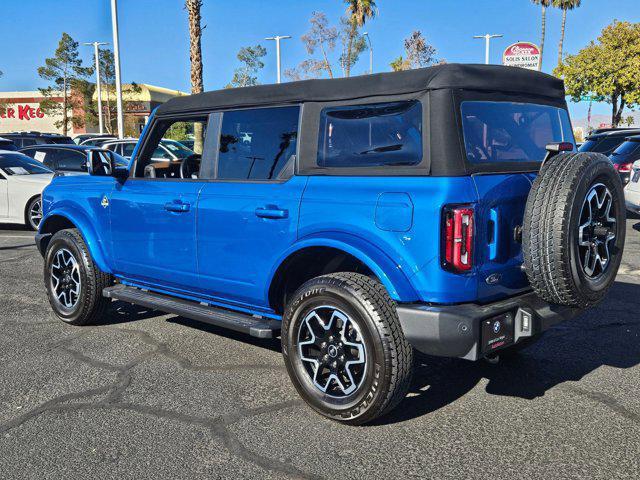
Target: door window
(71, 161)
(155, 161)
(257, 144)
(127, 149)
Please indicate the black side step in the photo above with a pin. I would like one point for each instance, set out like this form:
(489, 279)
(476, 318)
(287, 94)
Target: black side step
(255, 326)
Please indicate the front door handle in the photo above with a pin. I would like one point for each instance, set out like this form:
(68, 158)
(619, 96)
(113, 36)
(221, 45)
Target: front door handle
(271, 212)
(177, 206)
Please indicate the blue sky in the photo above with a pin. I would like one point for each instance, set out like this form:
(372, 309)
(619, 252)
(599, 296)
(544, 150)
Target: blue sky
(154, 34)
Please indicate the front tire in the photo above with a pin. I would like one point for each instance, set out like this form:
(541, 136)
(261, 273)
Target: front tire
(344, 348)
(74, 283)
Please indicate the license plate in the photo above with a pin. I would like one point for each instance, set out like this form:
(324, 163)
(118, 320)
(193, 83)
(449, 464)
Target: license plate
(497, 332)
(636, 176)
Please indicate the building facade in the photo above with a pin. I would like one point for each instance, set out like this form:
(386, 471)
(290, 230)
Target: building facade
(21, 112)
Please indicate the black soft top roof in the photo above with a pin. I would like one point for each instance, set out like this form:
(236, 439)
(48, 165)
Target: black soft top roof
(449, 76)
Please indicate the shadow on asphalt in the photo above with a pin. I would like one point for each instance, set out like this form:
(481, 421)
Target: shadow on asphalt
(16, 227)
(18, 247)
(565, 353)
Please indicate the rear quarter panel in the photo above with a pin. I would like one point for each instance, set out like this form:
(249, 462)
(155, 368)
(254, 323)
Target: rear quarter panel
(370, 214)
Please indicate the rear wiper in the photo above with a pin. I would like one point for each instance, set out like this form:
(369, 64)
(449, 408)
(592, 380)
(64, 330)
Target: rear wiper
(385, 148)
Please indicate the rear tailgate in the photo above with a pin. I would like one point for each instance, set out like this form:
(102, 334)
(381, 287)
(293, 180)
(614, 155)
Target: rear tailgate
(501, 203)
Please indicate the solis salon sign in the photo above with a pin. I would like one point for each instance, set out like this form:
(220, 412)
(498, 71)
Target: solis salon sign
(523, 55)
(21, 112)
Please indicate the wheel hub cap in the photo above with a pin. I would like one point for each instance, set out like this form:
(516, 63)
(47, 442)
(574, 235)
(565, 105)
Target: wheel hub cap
(596, 231)
(332, 351)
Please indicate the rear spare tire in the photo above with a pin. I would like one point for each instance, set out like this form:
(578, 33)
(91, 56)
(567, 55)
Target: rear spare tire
(574, 229)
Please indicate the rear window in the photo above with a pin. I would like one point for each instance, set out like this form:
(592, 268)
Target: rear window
(604, 145)
(383, 134)
(505, 132)
(627, 148)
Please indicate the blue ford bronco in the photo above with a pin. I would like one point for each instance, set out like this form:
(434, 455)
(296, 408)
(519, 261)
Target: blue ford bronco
(441, 211)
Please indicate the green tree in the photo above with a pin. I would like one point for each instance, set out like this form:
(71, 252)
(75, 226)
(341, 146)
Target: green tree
(353, 44)
(564, 5)
(358, 12)
(86, 90)
(64, 70)
(320, 36)
(418, 53)
(251, 60)
(607, 69)
(543, 26)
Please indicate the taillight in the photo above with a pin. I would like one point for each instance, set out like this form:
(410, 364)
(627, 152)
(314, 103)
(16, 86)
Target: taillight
(623, 167)
(457, 238)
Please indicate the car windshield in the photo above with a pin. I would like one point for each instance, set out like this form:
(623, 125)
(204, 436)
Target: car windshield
(627, 148)
(506, 132)
(18, 164)
(178, 149)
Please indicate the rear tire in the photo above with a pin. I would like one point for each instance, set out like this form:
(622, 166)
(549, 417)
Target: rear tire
(74, 283)
(344, 348)
(574, 229)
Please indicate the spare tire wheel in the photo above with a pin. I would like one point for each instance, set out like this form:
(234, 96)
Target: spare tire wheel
(574, 229)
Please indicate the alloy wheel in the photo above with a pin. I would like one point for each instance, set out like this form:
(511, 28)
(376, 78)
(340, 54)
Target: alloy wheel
(35, 213)
(65, 279)
(596, 231)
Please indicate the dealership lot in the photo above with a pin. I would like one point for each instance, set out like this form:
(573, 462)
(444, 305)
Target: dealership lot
(146, 395)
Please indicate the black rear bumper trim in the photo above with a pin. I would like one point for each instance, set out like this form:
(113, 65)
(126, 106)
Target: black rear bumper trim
(454, 330)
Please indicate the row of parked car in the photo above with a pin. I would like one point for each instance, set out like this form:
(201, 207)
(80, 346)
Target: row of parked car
(29, 160)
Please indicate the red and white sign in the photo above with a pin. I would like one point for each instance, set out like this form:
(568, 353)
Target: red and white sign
(523, 55)
(22, 112)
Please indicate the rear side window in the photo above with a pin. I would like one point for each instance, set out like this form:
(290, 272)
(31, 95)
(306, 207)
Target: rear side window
(257, 144)
(383, 134)
(504, 132)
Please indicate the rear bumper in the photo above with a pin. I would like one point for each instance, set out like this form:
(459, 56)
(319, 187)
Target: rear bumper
(454, 330)
(632, 199)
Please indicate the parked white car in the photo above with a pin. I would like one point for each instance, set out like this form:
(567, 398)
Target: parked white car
(22, 180)
(632, 190)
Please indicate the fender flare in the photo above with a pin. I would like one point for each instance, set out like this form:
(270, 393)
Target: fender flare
(392, 277)
(86, 229)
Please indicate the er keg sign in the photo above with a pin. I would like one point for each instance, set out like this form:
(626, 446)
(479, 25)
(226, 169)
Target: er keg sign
(523, 55)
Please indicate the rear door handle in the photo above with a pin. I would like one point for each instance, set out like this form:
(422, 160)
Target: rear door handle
(271, 212)
(177, 206)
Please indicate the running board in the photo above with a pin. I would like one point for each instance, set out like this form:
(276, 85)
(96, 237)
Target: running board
(259, 327)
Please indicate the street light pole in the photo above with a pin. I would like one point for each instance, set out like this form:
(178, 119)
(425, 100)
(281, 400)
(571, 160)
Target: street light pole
(96, 50)
(366, 34)
(277, 38)
(116, 58)
(487, 41)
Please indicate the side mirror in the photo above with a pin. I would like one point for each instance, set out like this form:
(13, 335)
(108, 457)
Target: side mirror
(100, 163)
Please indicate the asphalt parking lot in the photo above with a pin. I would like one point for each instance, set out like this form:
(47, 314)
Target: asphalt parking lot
(146, 395)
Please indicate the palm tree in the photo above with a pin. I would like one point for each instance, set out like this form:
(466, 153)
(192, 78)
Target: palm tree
(564, 5)
(358, 11)
(543, 28)
(195, 57)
